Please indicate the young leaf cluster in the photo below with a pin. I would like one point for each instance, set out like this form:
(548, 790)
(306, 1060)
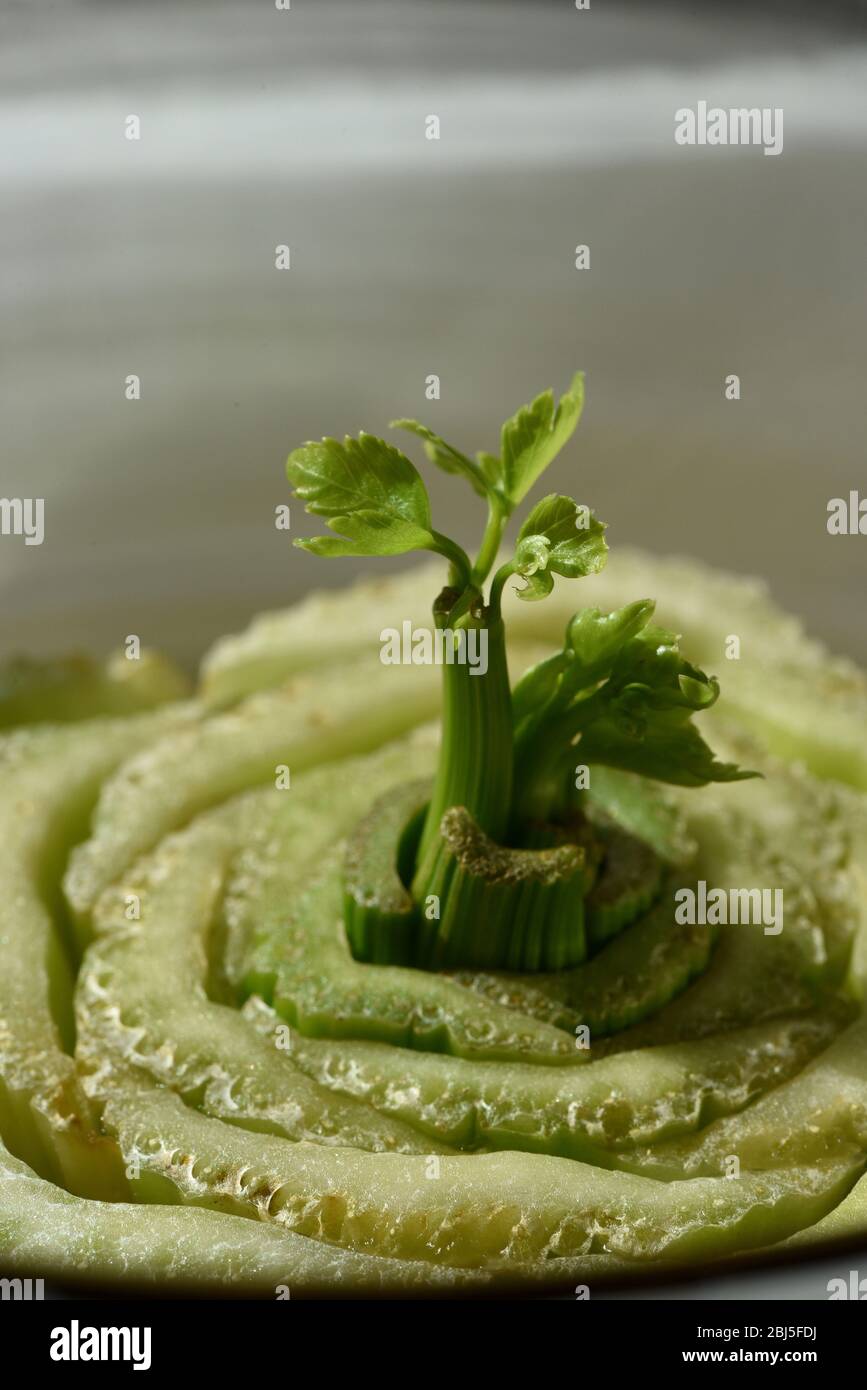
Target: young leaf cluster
(374, 499)
(620, 687)
(620, 693)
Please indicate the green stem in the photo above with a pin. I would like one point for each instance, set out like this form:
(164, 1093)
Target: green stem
(379, 914)
(475, 759)
(490, 546)
(505, 909)
(503, 573)
(451, 607)
(460, 574)
(543, 769)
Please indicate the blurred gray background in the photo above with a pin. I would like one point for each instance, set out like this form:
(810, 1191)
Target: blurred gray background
(412, 257)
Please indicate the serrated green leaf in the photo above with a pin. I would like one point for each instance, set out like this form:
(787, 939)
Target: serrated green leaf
(445, 456)
(534, 436)
(596, 638)
(650, 669)
(558, 537)
(575, 539)
(368, 492)
(368, 533)
(640, 718)
(625, 692)
(531, 554)
(531, 564)
(537, 586)
(492, 469)
(536, 688)
(666, 747)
